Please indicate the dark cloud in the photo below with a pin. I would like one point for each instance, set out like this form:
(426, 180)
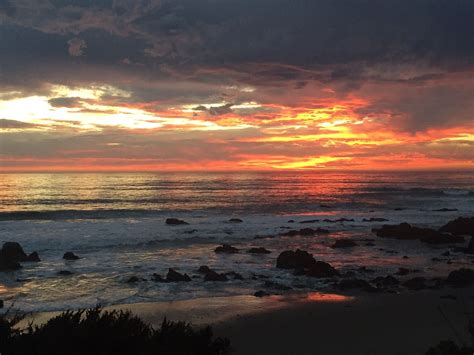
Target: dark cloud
(65, 102)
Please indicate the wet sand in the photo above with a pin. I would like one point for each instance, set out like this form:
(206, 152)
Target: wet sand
(316, 323)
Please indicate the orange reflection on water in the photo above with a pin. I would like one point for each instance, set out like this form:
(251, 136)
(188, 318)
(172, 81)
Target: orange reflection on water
(3, 289)
(327, 297)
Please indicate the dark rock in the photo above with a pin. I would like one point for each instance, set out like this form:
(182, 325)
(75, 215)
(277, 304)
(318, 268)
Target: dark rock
(64, 273)
(446, 253)
(339, 220)
(291, 221)
(261, 294)
(321, 269)
(310, 221)
(324, 206)
(446, 210)
(460, 226)
(470, 247)
(235, 220)
(214, 276)
(374, 219)
(226, 249)
(174, 276)
(385, 281)
(349, 284)
(290, 259)
(13, 252)
(235, 275)
(369, 244)
(461, 278)
(416, 283)
(8, 265)
(405, 257)
(175, 222)
(405, 231)
(402, 271)
(191, 231)
(70, 256)
(204, 269)
(260, 250)
(133, 279)
(33, 257)
(364, 269)
(157, 278)
(344, 243)
(1, 303)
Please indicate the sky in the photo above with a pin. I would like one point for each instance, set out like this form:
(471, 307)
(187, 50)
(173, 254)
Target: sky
(154, 85)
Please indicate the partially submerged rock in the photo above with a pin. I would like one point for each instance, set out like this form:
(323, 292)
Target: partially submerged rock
(405, 231)
(175, 222)
(343, 243)
(226, 249)
(305, 232)
(461, 278)
(12, 254)
(214, 276)
(235, 220)
(204, 269)
(321, 269)
(70, 256)
(65, 273)
(290, 259)
(386, 281)
(259, 250)
(374, 219)
(460, 226)
(261, 294)
(416, 283)
(349, 284)
(174, 276)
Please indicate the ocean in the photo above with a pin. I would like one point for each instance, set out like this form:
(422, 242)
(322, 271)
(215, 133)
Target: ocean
(116, 223)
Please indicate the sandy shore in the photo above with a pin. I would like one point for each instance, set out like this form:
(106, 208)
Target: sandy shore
(326, 324)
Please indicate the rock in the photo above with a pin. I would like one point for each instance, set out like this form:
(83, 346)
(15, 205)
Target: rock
(374, 219)
(157, 278)
(235, 220)
(8, 265)
(459, 226)
(310, 221)
(344, 243)
(1, 303)
(64, 273)
(261, 294)
(259, 250)
(349, 284)
(446, 210)
(235, 275)
(13, 251)
(214, 276)
(226, 249)
(402, 271)
(339, 220)
(470, 247)
(133, 279)
(33, 257)
(385, 281)
(305, 232)
(174, 276)
(321, 269)
(416, 283)
(446, 253)
(204, 269)
(290, 259)
(405, 231)
(461, 278)
(70, 256)
(291, 221)
(364, 269)
(175, 222)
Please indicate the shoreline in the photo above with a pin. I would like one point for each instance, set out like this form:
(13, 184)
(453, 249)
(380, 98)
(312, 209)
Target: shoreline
(343, 323)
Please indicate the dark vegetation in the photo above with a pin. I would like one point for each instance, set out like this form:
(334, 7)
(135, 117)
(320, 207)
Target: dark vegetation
(94, 331)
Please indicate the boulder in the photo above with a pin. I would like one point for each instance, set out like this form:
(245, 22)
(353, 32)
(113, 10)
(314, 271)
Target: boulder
(305, 232)
(226, 249)
(374, 219)
(290, 259)
(235, 220)
(261, 294)
(133, 279)
(461, 278)
(13, 251)
(339, 220)
(259, 250)
(445, 210)
(310, 221)
(174, 276)
(416, 283)
(1, 303)
(33, 257)
(405, 231)
(70, 256)
(157, 278)
(214, 276)
(65, 273)
(175, 222)
(459, 226)
(344, 243)
(204, 269)
(321, 269)
(8, 264)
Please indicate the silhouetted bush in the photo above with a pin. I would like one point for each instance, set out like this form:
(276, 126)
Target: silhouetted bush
(94, 331)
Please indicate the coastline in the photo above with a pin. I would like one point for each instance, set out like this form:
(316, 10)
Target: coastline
(316, 323)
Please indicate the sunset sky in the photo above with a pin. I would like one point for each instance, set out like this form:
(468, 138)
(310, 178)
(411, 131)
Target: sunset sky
(112, 85)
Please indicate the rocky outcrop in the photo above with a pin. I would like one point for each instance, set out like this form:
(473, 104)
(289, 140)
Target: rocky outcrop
(235, 220)
(174, 276)
(226, 249)
(290, 259)
(459, 226)
(321, 269)
(305, 232)
(375, 219)
(461, 278)
(259, 250)
(214, 276)
(261, 294)
(70, 256)
(405, 231)
(204, 269)
(12, 254)
(175, 222)
(343, 243)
